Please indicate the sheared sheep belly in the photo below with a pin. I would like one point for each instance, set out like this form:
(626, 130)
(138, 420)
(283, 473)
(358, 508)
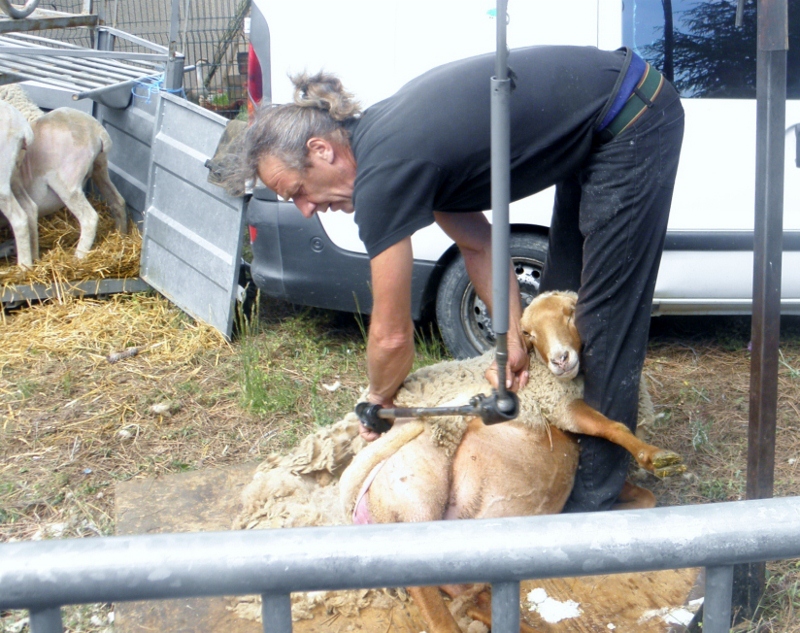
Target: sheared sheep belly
(412, 485)
(510, 469)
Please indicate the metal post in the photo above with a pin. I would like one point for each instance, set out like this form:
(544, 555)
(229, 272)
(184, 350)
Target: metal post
(773, 38)
(105, 40)
(276, 612)
(717, 601)
(174, 21)
(46, 620)
(501, 186)
(174, 74)
(505, 607)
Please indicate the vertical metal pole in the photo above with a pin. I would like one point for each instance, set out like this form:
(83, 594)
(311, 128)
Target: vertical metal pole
(46, 620)
(505, 607)
(773, 36)
(276, 612)
(174, 75)
(717, 601)
(501, 187)
(105, 41)
(174, 21)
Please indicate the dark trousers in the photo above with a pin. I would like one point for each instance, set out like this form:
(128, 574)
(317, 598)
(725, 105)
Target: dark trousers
(606, 239)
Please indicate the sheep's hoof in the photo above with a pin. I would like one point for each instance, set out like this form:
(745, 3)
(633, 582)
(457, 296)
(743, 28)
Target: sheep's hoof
(670, 471)
(667, 464)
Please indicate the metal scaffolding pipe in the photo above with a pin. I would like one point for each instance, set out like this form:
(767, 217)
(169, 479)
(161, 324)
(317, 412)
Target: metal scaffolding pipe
(43, 574)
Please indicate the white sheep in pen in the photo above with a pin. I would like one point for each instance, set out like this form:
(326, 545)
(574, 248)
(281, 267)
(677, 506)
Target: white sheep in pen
(68, 148)
(16, 136)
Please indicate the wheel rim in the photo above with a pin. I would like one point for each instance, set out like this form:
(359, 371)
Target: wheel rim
(475, 316)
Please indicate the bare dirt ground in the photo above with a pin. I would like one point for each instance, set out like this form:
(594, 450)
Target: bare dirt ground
(72, 423)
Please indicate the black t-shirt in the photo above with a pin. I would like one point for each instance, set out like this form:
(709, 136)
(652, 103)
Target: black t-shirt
(427, 147)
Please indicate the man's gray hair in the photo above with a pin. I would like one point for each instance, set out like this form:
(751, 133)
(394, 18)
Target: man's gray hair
(320, 108)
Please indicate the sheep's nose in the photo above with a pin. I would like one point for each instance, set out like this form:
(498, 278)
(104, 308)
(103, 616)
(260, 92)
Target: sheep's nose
(561, 360)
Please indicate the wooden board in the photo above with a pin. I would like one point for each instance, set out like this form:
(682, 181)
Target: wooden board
(208, 501)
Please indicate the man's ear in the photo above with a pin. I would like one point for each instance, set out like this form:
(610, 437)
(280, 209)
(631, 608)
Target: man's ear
(321, 147)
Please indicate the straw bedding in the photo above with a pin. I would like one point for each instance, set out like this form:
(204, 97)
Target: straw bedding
(114, 256)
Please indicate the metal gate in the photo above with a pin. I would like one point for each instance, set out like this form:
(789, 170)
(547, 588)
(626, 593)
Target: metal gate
(192, 239)
(45, 575)
(211, 34)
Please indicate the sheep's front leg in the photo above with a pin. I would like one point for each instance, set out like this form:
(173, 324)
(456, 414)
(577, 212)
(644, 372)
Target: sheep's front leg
(18, 219)
(79, 206)
(660, 462)
(110, 194)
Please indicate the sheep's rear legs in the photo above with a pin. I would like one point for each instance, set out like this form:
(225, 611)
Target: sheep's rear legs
(482, 612)
(109, 192)
(633, 497)
(434, 611)
(79, 206)
(660, 462)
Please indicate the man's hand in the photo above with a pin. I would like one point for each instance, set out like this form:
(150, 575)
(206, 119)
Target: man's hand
(368, 434)
(516, 370)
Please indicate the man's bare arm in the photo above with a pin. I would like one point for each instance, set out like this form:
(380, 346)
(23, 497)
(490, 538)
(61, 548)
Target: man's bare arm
(390, 347)
(473, 235)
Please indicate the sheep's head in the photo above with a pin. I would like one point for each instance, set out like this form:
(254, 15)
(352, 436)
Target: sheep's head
(548, 325)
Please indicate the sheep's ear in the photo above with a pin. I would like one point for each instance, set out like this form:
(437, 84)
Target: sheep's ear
(529, 338)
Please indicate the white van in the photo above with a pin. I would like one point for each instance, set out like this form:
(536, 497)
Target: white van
(377, 46)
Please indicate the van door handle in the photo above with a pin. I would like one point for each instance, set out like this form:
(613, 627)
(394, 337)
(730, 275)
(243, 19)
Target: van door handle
(797, 145)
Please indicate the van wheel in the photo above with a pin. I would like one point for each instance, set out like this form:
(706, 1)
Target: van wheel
(463, 318)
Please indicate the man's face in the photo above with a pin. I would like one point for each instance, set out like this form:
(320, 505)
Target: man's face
(326, 184)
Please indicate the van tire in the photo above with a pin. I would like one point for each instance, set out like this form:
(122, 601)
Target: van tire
(462, 317)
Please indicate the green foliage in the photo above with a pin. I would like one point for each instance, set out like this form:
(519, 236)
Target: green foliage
(306, 368)
(27, 388)
(720, 489)
(700, 429)
(429, 346)
(794, 373)
(67, 383)
(220, 99)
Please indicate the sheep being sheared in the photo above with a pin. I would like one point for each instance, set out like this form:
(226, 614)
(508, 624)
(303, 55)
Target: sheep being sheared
(463, 469)
(16, 136)
(68, 148)
(520, 467)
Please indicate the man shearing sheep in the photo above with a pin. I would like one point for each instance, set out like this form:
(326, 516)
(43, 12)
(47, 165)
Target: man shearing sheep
(604, 127)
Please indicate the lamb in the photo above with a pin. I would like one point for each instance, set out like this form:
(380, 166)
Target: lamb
(68, 148)
(459, 469)
(16, 136)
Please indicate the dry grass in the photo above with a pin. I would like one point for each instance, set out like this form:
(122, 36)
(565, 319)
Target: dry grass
(699, 370)
(72, 423)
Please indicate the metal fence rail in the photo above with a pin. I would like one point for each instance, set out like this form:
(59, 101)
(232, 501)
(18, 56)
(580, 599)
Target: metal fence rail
(210, 34)
(42, 576)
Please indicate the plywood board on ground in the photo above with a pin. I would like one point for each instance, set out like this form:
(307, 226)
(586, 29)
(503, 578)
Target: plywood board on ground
(208, 501)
